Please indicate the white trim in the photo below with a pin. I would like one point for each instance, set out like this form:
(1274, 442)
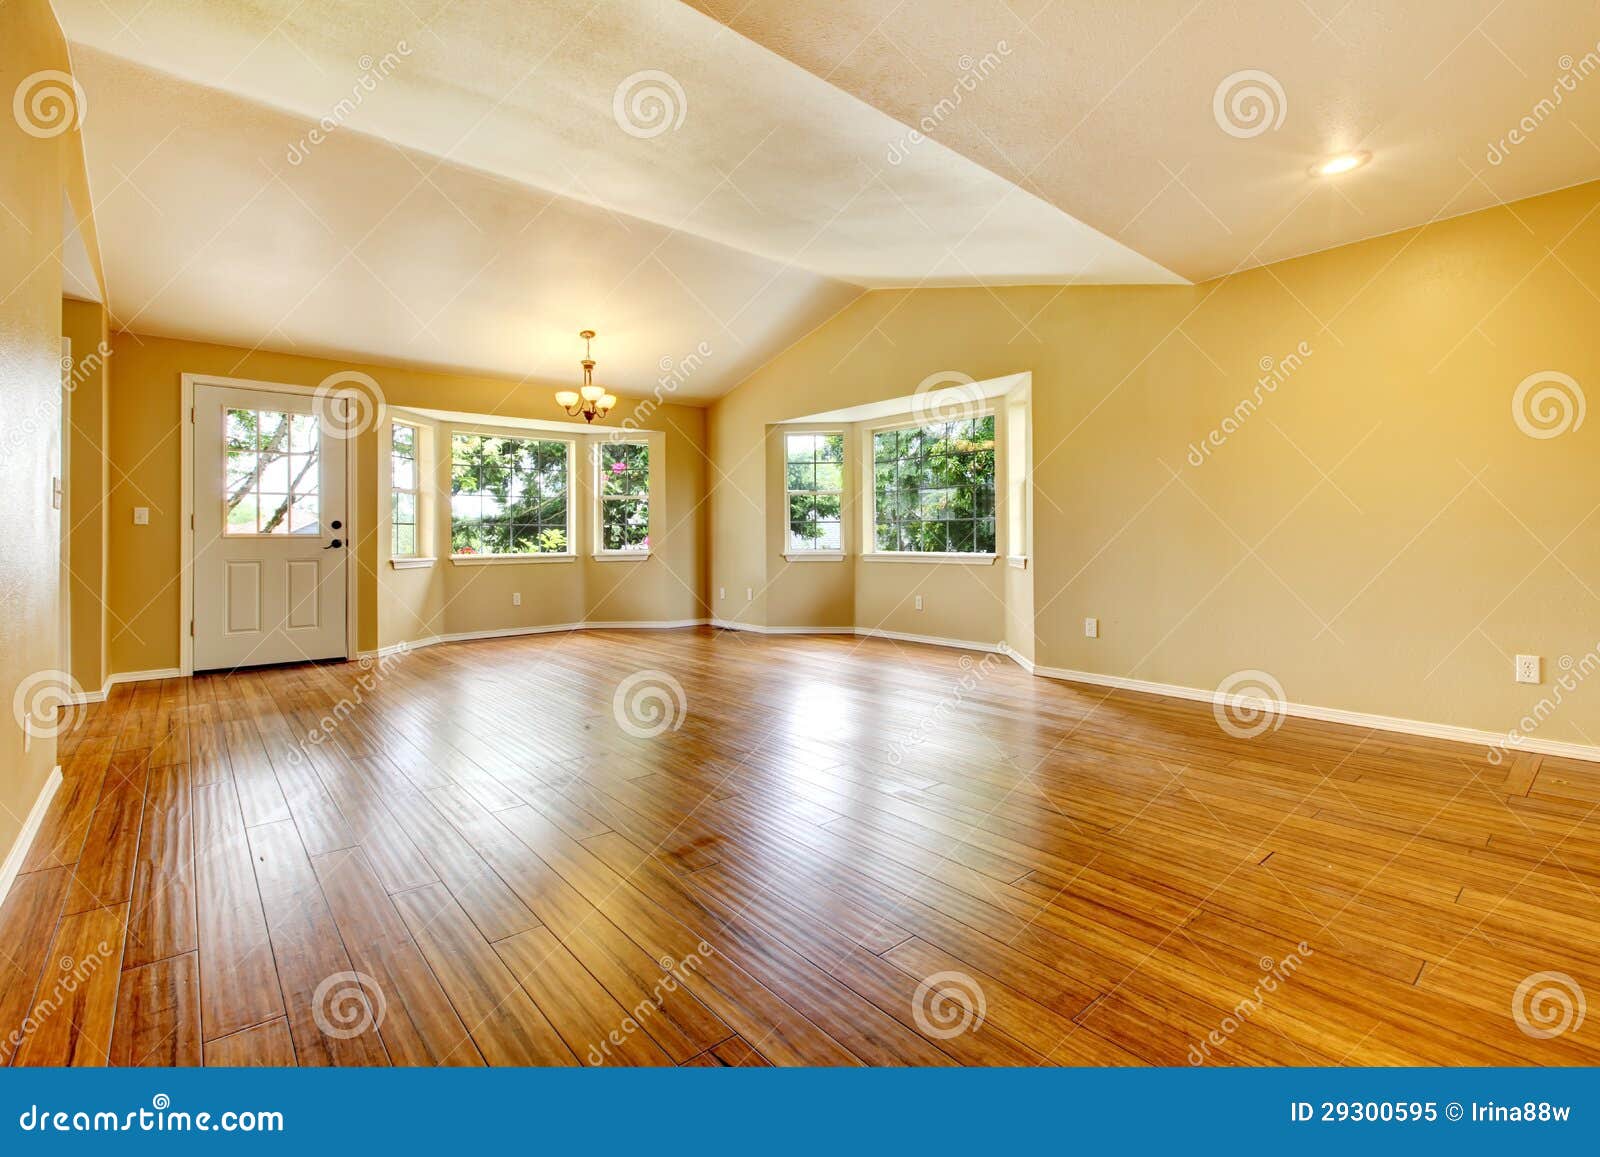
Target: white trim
(501, 559)
(30, 829)
(815, 555)
(352, 591)
(929, 556)
(411, 562)
(1020, 660)
(1018, 561)
(862, 632)
(621, 555)
(127, 677)
(551, 629)
(1446, 731)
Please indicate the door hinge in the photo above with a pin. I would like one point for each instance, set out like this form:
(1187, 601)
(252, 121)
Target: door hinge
(191, 628)
(191, 414)
(191, 522)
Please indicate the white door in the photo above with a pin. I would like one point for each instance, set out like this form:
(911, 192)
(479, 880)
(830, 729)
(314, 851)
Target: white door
(270, 529)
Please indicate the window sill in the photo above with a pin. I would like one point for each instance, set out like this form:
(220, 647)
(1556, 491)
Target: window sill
(814, 555)
(621, 555)
(501, 559)
(412, 562)
(929, 557)
(1019, 561)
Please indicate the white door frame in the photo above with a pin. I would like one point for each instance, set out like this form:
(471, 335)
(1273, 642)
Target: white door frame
(186, 525)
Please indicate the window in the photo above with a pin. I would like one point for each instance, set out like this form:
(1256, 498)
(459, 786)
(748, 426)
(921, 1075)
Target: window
(508, 495)
(814, 484)
(273, 473)
(624, 489)
(403, 485)
(933, 488)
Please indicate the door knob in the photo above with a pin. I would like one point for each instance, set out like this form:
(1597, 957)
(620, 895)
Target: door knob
(335, 544)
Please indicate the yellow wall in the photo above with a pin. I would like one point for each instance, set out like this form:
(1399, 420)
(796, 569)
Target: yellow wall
(1374, 535)
(144, 592)
(85, 323)
(34, 170)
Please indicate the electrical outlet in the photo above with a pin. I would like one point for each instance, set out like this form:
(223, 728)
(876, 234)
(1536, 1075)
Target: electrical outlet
(749, 593)
(1091, 628)
(722, 592)
(516, 598)
(1528, 669)
(141, 516)
(919, 602)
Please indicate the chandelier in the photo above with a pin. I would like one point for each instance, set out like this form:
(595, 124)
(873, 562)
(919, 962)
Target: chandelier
(590, 400)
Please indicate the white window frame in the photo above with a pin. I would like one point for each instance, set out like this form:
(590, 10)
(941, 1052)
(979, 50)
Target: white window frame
(869, 524)
(416, 552)
(523, 435)
(600, 499)
(801, 554)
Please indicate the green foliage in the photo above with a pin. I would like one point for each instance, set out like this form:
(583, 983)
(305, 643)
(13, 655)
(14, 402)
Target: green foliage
(814, 476)
(934, 487)
(507, 495)
(624, 470)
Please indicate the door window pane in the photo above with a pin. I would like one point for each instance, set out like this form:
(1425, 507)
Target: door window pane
(272, 477)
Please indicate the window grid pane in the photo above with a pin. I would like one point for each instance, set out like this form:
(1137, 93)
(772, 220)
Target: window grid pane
(507, 495)
(624, 485)
(403, 482)
(814, 481)
(933, 488)
(273, 476)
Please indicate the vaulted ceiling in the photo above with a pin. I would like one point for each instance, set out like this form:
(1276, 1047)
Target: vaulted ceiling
(466, 185)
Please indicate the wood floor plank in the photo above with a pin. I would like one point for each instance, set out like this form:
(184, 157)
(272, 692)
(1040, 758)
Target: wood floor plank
(238, 978)
(506, 1024)
(27, 925)
(76, 1001)
(158, 1014)
(332, 1014)
(262, 1046)
(161, 920)
(419, 1026)
(104, 872)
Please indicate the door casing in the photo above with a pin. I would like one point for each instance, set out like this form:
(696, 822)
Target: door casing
(186, 525)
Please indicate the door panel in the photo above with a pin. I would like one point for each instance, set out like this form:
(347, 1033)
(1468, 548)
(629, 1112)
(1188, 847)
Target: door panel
(269, 507)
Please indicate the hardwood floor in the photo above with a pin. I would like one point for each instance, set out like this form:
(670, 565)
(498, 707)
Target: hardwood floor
(775, 850)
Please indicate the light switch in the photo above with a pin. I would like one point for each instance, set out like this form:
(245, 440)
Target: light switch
(141, 516)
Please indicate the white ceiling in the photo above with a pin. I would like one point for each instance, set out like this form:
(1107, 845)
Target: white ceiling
(482, 195)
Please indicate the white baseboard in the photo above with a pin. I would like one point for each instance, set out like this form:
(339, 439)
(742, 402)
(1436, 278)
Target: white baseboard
(126, 677)
(1447, 731)
(30, 829)
(546, 629)
(863, 632)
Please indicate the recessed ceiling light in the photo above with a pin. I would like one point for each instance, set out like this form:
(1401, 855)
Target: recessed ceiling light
(1343, 163)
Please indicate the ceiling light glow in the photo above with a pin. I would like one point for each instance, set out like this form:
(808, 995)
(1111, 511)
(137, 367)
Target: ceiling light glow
(1343, 163)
